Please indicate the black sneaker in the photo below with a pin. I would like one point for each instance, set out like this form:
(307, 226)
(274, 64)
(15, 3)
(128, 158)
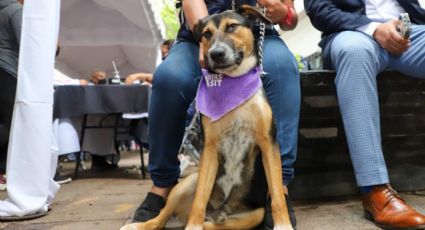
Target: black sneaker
(268, 223)
(149, 209)
(61, 179)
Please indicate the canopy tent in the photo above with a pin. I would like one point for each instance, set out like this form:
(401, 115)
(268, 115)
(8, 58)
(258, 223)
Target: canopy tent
(91, 31)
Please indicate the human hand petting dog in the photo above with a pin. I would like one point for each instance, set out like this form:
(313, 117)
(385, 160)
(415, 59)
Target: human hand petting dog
(389, 38)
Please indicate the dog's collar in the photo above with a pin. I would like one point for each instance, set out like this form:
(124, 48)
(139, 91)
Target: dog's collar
(219, 94)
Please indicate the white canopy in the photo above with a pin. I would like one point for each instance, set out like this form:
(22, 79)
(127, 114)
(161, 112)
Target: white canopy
(93, 33)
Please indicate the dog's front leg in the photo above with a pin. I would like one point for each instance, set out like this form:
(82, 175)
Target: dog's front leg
(208, 168)
(273, 169)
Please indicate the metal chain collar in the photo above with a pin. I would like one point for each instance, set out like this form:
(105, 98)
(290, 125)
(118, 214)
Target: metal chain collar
(260, 38)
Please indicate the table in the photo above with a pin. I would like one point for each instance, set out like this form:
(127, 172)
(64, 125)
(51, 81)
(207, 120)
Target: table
(74, 100)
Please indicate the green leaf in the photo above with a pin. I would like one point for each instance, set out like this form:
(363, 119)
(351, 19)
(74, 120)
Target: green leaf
(171, 22)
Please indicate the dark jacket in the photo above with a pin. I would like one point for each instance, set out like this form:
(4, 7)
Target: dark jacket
(213, 6)
(334, 16)
(10, 35)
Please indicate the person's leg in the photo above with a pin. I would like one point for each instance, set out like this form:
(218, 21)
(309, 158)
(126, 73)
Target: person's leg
(174, 87)
(412, 62)
(357, 60)
(7, 101)
(282, 87)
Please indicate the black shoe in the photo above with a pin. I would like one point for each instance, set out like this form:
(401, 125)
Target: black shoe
(61, 179)
(149, 209)
(100, 164)
(268, 223)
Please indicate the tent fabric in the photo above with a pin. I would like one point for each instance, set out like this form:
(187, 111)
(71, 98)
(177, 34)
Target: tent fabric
(31, 160)
(93, 33)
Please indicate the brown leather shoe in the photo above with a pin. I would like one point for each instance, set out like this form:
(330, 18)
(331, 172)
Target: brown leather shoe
(387, 210)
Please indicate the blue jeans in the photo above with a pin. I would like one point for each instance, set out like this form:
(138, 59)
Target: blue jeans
(358, 59)
(174, 88)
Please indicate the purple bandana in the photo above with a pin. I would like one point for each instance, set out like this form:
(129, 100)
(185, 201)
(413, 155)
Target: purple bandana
(219, 94)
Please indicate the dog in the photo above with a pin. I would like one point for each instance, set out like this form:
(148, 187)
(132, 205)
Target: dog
(226, 192)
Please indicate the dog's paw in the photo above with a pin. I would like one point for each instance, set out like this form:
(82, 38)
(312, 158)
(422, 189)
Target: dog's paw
(218, 217)
(193, 227)
(140, 226)
(130, 227)
(282, 227)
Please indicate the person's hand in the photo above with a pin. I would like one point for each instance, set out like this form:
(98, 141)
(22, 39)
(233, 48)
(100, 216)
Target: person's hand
(146, 77)
(83, 82)
(96, 76)
(275, 9)
(388, 37)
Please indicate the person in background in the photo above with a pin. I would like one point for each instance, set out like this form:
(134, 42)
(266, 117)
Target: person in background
(97, 77)
(10, 36)
(148, 77)
(360, 40)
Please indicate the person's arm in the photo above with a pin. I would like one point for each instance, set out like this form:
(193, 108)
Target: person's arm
(16, 24)
(146, 77)
(194, 11)
(281, 12)
(328, 18)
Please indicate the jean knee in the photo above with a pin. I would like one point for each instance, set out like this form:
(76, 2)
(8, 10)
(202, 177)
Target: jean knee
(354, 47)
(169, 80)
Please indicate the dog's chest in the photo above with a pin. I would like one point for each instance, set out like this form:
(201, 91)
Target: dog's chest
(233, 149)
(237, 142)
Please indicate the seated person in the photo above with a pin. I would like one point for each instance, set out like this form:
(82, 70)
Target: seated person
(360, 39)
(97, 77)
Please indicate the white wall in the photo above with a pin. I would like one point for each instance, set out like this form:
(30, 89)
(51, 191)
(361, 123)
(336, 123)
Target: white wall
(304, 39)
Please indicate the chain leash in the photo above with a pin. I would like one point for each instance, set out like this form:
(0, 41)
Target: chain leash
(261, 42)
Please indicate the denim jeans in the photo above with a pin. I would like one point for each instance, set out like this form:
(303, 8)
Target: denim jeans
(174, 88)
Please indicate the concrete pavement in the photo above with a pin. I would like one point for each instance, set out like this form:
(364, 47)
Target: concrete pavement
(107, 200)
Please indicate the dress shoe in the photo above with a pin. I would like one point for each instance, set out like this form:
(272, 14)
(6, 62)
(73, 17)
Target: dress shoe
(387, 210)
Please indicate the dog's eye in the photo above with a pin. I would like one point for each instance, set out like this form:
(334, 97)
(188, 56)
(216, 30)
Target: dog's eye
(207, 34)
(232, 27)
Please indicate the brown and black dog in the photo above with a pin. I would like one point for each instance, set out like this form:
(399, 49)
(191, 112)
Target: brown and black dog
(219, 196)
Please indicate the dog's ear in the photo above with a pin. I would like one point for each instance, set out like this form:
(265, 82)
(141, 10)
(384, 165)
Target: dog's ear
(252, 13)
(197, 29)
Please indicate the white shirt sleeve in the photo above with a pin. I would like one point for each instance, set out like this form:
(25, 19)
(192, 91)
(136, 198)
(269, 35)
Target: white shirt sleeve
(61, 79)
(369, 28)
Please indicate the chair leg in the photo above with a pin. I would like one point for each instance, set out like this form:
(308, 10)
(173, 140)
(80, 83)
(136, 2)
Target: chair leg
(77, 164)
(142, 167)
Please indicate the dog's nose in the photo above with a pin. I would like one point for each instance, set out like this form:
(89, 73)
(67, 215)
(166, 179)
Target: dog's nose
(217, 54)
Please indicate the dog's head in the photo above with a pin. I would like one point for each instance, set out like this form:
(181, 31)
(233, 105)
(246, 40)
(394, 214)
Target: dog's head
(227, 40)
